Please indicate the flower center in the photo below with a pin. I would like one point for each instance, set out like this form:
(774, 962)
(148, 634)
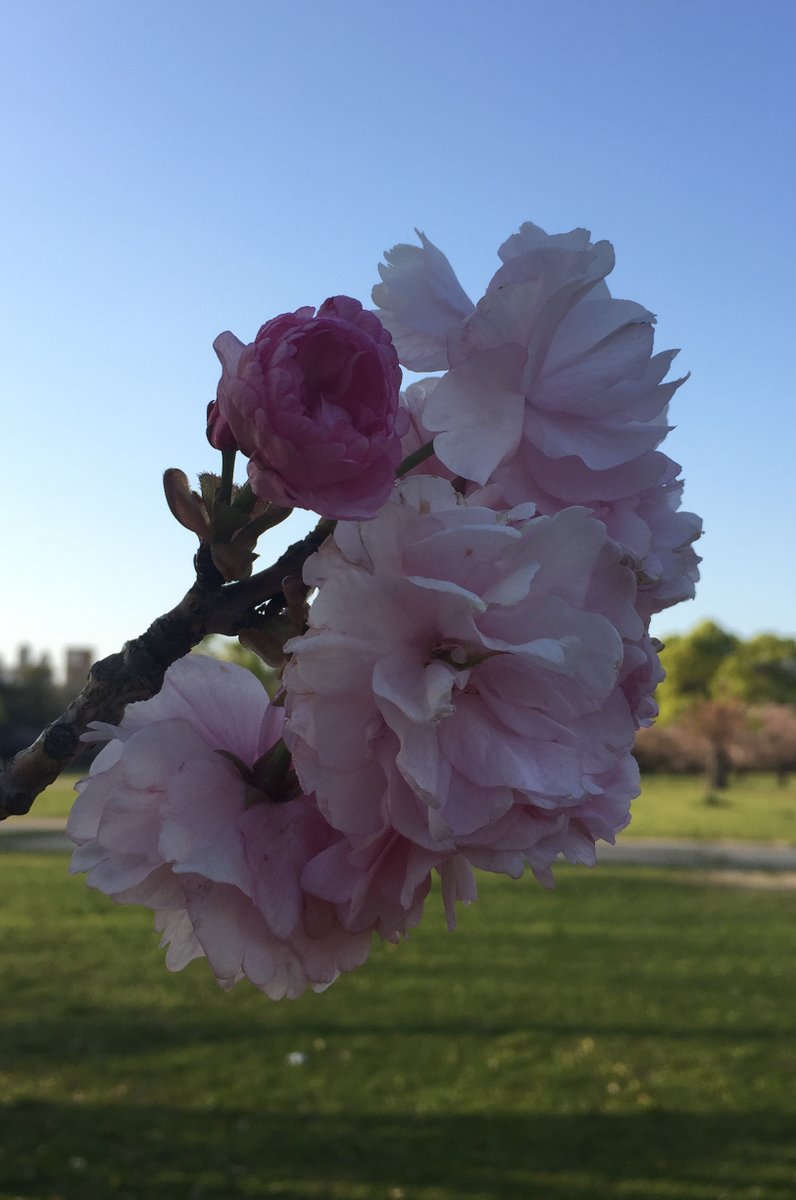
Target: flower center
(460, 656)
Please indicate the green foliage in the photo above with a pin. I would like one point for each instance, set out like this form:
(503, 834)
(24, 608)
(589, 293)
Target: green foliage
(759, 671)
(691, 662)
(709, 663)
(624, 1036)
(31, 699)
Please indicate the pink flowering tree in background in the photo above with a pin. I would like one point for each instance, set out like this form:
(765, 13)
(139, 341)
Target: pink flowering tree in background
(462, 641)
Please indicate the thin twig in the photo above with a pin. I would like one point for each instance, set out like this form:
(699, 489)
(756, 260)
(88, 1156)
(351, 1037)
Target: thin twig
(137, 671)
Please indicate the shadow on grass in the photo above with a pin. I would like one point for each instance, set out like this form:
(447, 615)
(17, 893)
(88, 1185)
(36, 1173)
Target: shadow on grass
(171, 1154)
(126, 1034)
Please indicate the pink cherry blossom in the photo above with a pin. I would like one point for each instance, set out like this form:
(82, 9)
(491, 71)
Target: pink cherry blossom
(661, 539)
(547, 359)
(459, 680)
(551, 396)
(417, 436)
(477, 659)
(313, 403)
(420, 301)
(168, 819)
(640, 506)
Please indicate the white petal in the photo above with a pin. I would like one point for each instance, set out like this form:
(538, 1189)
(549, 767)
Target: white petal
(229, 349)
(421, 690)
(479, 410)
(224, 703)
(419, 300)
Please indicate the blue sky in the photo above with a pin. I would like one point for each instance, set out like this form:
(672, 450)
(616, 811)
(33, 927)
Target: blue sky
(176, 170)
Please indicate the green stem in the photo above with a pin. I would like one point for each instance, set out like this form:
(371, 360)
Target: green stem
(227, 470)
(413, 460)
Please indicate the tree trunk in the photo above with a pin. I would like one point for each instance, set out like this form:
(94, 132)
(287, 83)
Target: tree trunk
(718, 768)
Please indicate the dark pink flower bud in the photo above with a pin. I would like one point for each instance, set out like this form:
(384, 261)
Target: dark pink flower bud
(219, 434)
(313, 403)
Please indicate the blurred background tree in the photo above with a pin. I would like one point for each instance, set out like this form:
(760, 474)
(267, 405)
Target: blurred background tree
(726, 704)
(759, 671)
(692, 662)
(29, 699)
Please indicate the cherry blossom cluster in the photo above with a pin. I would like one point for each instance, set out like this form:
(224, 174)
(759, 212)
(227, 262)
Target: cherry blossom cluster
(467, 658)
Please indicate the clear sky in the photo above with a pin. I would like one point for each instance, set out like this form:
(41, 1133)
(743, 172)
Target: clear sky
(173, 170)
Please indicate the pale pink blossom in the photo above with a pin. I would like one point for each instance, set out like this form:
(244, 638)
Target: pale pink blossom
(640, 676)
(459, 680)
(660, 536)
(551, 396)
(417, 436)
(478, 656)
(420, 301)
(168, 819)
(640, 506)
(547, 360)
(381, 881)
(313, 403)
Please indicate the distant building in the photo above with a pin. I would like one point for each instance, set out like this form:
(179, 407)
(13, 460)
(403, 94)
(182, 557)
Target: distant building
(78, 665)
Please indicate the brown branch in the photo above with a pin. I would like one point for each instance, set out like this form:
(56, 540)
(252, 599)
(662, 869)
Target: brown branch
(137, 671)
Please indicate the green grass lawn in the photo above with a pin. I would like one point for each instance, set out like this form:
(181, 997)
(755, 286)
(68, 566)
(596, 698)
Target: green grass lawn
(624, 1036)
(754, 808)
(59, 796)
